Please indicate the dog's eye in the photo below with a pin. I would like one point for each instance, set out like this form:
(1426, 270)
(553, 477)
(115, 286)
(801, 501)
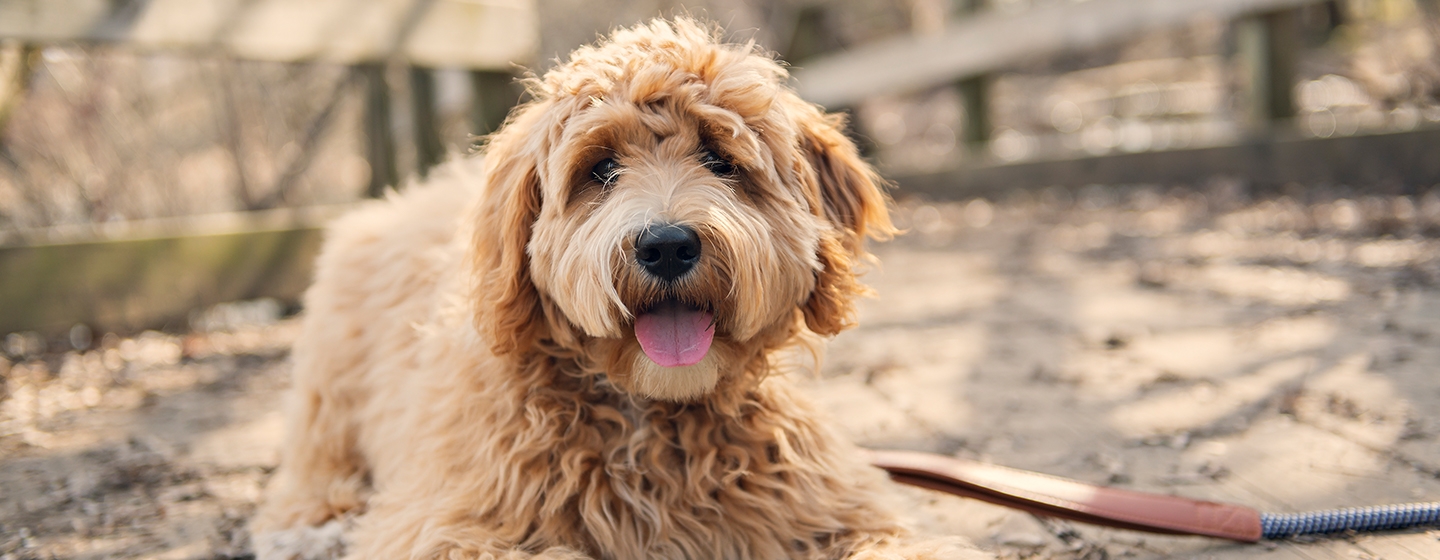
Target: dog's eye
(606, 171)
(716, 164)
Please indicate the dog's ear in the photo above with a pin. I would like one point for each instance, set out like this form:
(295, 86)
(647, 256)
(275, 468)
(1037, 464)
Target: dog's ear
(852, 200)
(507, 305)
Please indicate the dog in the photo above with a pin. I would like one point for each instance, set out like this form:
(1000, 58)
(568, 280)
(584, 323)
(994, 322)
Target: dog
(573, 346)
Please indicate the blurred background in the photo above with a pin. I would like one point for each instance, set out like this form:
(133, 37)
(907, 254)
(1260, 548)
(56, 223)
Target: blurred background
(1259, 168)
(145, 109)
(129, 119)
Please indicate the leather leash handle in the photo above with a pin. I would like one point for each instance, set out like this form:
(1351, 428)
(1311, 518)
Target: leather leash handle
(1059, 497)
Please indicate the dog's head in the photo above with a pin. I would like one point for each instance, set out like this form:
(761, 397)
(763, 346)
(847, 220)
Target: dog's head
(667, 211)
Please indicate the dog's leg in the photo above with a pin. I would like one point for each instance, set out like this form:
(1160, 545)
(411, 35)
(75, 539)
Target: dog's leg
(322, 475)
(321, 482)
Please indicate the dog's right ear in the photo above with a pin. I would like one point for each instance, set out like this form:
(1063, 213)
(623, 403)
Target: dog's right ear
(850, 196)
(507, 306)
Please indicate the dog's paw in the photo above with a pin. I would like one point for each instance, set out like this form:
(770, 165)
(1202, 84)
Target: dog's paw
(326, 542)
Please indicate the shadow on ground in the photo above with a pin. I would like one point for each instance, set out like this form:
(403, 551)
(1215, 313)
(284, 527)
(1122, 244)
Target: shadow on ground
(1276, 353)
(155, 446)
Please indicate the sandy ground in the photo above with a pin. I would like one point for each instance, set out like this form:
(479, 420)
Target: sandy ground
(1279, 354)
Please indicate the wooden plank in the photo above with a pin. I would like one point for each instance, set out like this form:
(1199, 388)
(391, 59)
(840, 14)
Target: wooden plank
(477, 34)
(153, 274)
(1394, 161)
(991, 41)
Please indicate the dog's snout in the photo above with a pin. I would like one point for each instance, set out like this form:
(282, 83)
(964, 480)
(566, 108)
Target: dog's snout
(667, 251)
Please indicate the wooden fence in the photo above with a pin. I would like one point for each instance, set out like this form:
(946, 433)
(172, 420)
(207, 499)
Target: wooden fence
(154, 275)
(131, 276)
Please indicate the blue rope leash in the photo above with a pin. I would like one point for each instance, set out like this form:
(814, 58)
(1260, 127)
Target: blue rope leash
(1375, 518)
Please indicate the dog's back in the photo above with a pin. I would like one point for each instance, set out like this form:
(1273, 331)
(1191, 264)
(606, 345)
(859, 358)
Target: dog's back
(377, 282)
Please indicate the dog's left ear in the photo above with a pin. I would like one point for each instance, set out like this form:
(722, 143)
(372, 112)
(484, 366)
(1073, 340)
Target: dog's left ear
(852, 200)
(507, 306)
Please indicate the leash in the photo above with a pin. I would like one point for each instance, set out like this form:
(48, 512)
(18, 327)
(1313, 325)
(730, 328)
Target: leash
(1053, 496)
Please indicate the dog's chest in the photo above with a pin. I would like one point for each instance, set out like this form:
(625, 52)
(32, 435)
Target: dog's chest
(677, 489)
(673, 514)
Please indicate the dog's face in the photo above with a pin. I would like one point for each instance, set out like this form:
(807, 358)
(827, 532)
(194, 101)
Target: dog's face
(667, 211)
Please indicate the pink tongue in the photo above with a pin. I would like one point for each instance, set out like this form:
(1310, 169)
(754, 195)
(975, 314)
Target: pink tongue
(674, 334)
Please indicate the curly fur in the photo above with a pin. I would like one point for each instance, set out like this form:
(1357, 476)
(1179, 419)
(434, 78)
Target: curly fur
(469, 384)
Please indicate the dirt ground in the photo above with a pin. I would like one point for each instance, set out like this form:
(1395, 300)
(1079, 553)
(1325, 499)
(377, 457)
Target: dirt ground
(1279, 353)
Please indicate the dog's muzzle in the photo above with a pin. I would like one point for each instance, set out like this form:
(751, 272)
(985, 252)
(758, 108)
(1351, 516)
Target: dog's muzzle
(671, 332)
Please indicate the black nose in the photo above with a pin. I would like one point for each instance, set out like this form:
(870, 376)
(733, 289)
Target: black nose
(667, 251)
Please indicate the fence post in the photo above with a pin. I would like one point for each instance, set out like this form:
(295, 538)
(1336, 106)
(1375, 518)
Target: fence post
(429, 150)
(975, 96)
(17, 61)
(1269, 44)
(811, 35)
(379, 142)
(492, 95)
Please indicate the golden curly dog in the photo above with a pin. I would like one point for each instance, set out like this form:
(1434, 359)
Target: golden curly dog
(586, 363)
